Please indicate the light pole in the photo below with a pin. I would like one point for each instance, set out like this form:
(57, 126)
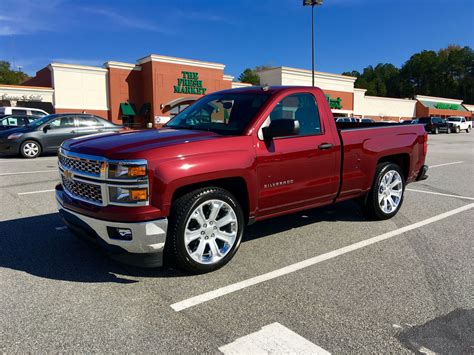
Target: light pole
(312, 3)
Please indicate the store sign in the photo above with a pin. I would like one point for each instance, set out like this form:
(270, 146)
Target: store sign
(189, 83)
(334, 103)
(442, 106)
(21, 97)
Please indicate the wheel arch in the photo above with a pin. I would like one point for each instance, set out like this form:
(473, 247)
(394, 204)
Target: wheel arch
(402, 160)
(236, 185)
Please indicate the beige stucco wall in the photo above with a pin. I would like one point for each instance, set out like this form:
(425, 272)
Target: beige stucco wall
(79, 87)
(25, 93)
(382, 106)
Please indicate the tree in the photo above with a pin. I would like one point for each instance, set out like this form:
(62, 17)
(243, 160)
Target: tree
(9, 76)
(251, 75)
(448, 72)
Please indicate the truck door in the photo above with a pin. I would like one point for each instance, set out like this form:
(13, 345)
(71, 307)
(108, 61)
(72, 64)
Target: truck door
(300, 170)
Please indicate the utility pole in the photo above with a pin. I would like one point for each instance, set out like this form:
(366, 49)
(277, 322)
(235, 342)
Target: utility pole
(312, 3)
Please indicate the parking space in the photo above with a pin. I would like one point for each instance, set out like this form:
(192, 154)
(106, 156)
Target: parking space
(326, 280)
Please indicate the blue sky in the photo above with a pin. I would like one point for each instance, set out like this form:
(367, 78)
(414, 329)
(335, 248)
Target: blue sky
(350, 34)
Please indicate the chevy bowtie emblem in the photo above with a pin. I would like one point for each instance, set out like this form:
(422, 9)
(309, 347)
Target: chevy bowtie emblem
(67, 174)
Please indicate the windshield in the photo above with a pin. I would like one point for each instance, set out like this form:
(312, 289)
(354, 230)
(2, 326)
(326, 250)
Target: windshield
(226, 113)
(38, 122)
(454, 119)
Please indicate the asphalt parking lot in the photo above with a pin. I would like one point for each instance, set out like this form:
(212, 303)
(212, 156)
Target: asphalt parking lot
(325, 280)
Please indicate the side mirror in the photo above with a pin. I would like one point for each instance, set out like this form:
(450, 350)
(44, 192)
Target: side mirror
(45, 128)
(281, 128)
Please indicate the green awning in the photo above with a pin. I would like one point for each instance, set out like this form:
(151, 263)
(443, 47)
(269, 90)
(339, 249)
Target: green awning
(145, 109)
(127, 109)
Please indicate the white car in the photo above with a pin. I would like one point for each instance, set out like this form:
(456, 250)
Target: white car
(459, 124)
(26, 111)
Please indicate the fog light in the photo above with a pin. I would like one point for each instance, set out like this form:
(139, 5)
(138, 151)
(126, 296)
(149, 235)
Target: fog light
(119, 233)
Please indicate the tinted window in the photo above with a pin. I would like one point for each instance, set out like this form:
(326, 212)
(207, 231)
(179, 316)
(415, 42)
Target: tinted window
(18, 112)
(303, 109)
(63, 122)
(424, 120)
(89, 122)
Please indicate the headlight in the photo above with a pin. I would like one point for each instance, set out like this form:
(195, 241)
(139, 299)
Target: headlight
(127, 171)
(129, 195)
(15, 135)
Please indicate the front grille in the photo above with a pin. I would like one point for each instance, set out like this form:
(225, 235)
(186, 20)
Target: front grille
(83, 190)
(80, 165)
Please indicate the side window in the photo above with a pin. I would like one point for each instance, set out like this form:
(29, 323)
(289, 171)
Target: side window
(89, 122)
(303, 109)
(63, 122)
(13, 121)
(18, 112)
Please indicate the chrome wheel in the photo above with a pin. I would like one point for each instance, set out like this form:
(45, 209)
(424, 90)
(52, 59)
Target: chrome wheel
(31, 149)
(390, 191)
(211, 231)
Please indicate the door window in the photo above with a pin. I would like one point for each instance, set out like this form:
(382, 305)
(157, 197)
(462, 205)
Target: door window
(18, 112)
(89, 122)
(299, 107)
(63, 122)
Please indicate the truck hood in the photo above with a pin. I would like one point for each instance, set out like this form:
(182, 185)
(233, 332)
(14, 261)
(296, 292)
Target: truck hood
(124, 145)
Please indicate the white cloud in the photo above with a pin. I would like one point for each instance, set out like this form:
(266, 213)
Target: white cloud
(126, 21)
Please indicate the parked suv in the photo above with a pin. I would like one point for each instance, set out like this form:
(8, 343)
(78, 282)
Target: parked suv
(13, 121)
(435, 124)
(9, 110)
(47, 133)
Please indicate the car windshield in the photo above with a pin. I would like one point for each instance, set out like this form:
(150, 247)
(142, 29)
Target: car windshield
(225, 113)
(454, 119)
(424, 120)
(38, 122)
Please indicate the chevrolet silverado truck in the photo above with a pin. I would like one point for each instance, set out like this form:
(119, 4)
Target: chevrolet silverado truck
(186, 192)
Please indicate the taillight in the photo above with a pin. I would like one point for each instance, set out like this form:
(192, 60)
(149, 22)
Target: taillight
(425, 143)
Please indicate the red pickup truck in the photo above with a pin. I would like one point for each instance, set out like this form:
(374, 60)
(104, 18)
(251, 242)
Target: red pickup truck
(188, 190)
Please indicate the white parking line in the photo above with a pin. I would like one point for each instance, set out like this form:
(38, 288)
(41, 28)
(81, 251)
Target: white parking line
(445, 164)
(27, 160)
(196, 300)
(30, 172)
(273, 339)
(441, 194)
(34, 192)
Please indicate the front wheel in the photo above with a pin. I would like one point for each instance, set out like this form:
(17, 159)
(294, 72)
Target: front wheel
(448, 130)
(436, 130)
(386, 196)
(458, 129)
(30, 149)
(206, 228)
(468, 129)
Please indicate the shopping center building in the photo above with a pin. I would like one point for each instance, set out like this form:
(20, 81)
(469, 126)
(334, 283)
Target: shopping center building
(157, 87)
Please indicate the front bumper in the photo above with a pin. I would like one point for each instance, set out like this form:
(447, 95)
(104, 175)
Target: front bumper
(9, 146)
(147, 239)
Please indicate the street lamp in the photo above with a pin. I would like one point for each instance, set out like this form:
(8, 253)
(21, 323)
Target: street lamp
(312, 3)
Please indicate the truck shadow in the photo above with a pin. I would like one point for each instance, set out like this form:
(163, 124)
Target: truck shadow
(452, 333)
(43, 247)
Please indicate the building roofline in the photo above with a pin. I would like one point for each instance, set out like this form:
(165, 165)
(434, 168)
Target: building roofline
(77, 66)
(121, 65)
(441, 99)
(181, 61)
(317, 74)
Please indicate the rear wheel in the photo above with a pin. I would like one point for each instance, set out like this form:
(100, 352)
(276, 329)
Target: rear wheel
(386, 196)
(30, 149)
(206, 228)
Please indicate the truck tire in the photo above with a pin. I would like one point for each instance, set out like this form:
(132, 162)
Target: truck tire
(30, 149)
(205, 230)
(448, 131)
(458, 129)
(436, 130)
(386, 196)
(468, 129)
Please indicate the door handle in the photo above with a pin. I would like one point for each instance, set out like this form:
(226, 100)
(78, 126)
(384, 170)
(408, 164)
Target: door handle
(324, 146)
